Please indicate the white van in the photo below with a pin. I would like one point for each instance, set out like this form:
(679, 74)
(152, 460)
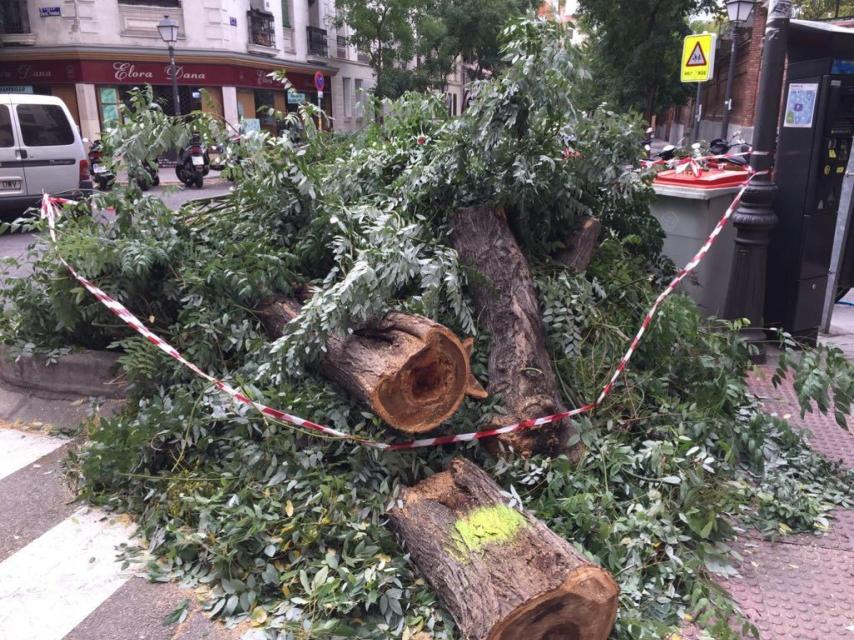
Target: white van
(40, 151)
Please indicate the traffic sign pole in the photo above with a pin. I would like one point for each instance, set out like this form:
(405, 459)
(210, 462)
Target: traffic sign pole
(698, 111)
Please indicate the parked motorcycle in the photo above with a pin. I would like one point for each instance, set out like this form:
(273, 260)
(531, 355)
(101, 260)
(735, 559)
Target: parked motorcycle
(736, 146)
(100, 172)
(193, 163)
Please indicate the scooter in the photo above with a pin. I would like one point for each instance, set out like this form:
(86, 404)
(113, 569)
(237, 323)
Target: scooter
(101, 174)
(736, 146)
(193, 163)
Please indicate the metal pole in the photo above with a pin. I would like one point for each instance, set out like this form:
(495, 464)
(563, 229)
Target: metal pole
(843, 223)
(729, 79)
(173, 71)
(754, 218)
(698, 112)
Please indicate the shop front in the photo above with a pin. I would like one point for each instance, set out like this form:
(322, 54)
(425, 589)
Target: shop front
(94, 89)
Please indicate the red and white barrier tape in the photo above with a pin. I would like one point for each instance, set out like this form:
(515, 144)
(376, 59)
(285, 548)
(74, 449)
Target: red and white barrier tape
(49, 211)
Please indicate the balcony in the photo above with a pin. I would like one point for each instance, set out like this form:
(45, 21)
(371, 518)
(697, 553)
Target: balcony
(318, 43)
(15, 23)
(262, 34)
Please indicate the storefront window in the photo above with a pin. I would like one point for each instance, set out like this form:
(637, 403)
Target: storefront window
(109, 100)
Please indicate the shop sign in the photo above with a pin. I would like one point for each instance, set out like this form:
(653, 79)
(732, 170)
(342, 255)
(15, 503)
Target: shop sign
(107, 72)
(17, 88)
(295, 97)
(39, 72)
(48, 12)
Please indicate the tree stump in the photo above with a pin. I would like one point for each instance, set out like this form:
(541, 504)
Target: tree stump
(520, 369)
(412, 372)
(582, 245)
(500, 572)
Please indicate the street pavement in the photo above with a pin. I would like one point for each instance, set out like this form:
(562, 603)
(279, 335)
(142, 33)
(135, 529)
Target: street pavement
(59, 577)
(15, 245)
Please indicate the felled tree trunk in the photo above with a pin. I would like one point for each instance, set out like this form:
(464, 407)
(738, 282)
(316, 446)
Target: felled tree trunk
(520, 369)
(501, 573)
(581, 245)
(412, 372)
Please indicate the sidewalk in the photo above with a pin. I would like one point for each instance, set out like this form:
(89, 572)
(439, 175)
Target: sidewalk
(801, 587)
(59, 578)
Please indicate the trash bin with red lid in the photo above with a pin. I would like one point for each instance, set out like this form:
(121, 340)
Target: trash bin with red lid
(688, 205)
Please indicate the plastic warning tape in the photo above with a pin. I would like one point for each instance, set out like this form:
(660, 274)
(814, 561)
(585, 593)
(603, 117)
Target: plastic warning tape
(50, 212)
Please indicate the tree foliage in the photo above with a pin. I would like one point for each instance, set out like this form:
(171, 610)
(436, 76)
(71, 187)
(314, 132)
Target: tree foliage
(286, 530)
(823, 9)
(415, 45)
(635, 50)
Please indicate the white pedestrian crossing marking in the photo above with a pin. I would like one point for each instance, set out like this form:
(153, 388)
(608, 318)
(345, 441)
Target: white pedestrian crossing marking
(51, 585)
(20, 448)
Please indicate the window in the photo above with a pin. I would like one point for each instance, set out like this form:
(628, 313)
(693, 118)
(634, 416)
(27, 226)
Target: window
(153, 3)
(360, 98)
(14, 17)
(109, 99)
(286, 14)
(347, 93)
(261, 30)
(317, 43)
(44, 125)
(6, 137)
(454, 98)
(341, 44)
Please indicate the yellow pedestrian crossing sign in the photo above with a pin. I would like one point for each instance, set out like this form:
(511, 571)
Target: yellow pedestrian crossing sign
(698, 57)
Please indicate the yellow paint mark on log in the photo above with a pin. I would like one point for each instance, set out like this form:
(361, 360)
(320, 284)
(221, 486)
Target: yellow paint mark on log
(483, 526)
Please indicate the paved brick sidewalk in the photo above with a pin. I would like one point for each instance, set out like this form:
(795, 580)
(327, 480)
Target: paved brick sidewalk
(800, 588)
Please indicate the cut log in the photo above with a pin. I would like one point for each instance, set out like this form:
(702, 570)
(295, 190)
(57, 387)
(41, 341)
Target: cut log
(500, 572)
(412, 372)
(520, 369)
(582, 245)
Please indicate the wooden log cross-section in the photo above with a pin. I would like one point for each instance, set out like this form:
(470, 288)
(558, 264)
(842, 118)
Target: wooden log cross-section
(500, 572)
(412, 372)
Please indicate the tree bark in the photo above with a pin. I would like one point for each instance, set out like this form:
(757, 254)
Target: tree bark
(500, 572)
(520, 369)
(412, 372)
(582, 245)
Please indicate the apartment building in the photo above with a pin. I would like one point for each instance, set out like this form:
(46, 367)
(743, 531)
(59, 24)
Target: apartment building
(91, 52)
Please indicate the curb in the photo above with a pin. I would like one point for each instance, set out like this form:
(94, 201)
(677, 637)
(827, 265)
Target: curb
(82, 373)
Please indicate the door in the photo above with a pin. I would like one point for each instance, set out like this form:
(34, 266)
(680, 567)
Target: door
(12, 182)
(50, 148)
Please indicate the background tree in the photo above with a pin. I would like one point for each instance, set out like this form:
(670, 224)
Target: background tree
(415, 45)
(823, 9)
(634, 49)
(383, 30)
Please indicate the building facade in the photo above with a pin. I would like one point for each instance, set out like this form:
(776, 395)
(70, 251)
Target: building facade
(91, 52)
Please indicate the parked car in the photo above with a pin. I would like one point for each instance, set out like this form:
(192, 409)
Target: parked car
(40, 151)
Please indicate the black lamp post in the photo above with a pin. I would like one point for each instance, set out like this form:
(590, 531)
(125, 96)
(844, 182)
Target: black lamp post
(168, 29)
(739, 12)
(754, 218)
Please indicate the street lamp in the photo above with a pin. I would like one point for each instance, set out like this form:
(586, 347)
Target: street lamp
(739, 12)
(754, 218)
(168, 29)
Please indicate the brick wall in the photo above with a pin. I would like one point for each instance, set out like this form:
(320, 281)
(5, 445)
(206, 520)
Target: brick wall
(744, 91)
(746, 81)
